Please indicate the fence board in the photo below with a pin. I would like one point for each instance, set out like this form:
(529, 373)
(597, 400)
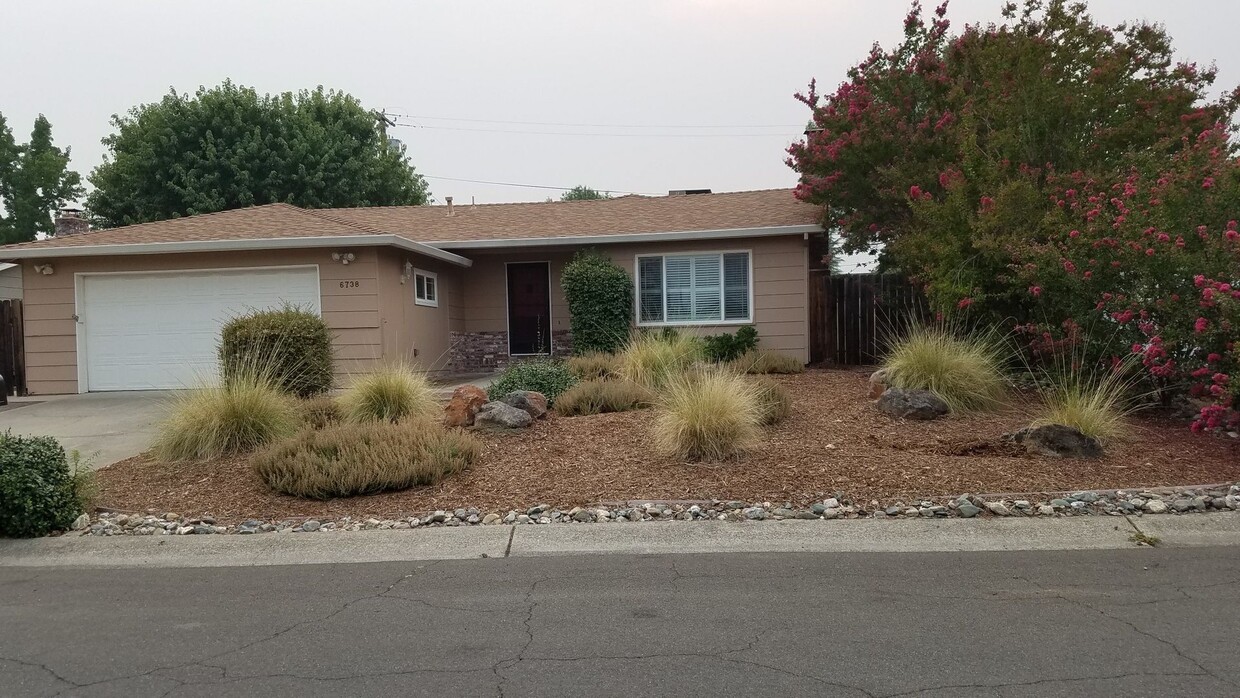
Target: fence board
(853, 315)
(12, 347)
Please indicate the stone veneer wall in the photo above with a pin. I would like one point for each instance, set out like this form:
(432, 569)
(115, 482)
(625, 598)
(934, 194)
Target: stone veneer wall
(479, 352)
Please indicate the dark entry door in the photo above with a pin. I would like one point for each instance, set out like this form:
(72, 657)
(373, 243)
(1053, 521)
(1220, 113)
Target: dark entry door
(529, 308)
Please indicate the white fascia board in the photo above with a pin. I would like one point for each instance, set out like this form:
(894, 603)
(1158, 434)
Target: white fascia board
(236, 245)
(725, 234)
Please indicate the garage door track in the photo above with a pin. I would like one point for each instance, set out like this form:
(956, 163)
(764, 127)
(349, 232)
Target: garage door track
(103, 427)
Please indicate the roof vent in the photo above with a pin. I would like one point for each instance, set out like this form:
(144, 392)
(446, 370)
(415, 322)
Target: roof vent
(687, 192)
(449, 200)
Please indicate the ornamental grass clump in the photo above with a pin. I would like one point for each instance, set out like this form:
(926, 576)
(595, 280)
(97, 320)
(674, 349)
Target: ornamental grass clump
(600, 396)
(774, 401)
(652, 360)
(595, 365)
(1096, 406)
(713, 414)
(764, 362)
(389, 394)
(966, 371)
(356, 459)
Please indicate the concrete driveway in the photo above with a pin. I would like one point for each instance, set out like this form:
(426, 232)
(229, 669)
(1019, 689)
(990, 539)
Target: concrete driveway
(103, 427)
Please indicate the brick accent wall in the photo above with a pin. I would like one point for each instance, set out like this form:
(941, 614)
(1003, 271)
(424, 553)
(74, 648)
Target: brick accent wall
(480, 352)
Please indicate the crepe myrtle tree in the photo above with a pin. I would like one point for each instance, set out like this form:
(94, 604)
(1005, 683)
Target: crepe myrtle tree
(941, 151)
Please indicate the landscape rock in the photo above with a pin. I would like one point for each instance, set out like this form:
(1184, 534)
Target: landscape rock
(534, 403)
(1057, 441)
(911, 404)
(490, 519)
(463, 406)
(501, 415)
(878, 383)
(81, 522)
(968, 511)
(1155, 506)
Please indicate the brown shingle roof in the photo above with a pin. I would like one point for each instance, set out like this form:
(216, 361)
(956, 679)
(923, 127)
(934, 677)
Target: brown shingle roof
(432, 224)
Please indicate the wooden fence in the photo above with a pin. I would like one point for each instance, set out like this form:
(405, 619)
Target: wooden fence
(853, 315)
(12, 347)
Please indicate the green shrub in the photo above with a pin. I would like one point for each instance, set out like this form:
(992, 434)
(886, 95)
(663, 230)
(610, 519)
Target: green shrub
(595, 365)
(320, 411)
(599, 396)
(762, 362)
(728, 347)
(353, 459)
(294, 344)
(966, 371)
(707, 415)
(773, 400)
(545, 376)
(600, 302)
(218, 420)
(389, 394)
(652, 359)
(38, 493)
(1097, 406)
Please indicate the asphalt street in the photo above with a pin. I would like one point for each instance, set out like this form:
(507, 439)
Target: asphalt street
(1137, 622)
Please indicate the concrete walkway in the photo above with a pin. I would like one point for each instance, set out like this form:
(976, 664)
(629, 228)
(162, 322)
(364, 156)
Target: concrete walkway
(853, 536)
(103, 427)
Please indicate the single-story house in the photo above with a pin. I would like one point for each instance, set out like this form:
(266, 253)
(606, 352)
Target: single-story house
(452, 289)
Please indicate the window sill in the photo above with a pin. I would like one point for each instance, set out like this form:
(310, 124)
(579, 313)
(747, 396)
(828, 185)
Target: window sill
(428, 304)
(696, 323)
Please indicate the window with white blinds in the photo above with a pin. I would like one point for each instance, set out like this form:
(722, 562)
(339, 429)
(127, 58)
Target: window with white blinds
(693, 288)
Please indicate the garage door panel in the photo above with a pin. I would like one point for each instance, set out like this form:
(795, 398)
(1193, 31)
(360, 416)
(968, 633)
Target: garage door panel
(159, 331)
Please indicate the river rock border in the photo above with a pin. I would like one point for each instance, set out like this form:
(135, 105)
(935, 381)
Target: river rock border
(1083, 503)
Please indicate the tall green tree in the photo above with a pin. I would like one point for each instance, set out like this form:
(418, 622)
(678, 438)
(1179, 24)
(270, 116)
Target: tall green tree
(583, 193)
(35, 180)
(229, 147)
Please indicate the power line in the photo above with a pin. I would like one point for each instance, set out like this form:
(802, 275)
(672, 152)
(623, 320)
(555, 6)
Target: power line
(598, 135)
(533, 186)
(588, 125)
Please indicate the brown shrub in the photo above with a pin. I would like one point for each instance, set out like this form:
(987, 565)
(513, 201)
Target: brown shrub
(598, 396)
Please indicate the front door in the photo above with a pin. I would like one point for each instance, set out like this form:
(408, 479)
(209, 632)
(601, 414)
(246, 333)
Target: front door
(529, 308)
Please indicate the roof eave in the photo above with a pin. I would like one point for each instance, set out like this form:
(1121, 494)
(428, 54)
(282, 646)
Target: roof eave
(185, 246)
(676, 236)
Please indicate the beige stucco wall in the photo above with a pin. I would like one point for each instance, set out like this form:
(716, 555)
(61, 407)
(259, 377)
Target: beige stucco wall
(351, 311)
(417, 334)
(780, 287)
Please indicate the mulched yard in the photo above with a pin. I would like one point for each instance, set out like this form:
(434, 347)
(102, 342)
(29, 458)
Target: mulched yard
(834, 441)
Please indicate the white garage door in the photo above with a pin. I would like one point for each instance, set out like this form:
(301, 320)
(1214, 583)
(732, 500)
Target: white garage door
(160, 330)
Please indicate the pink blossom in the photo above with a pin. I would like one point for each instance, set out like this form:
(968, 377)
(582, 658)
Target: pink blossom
(1213, 357)
(1035, 290)
(1207, 183)
(964, 303)
(1201, 325)
(914, 192)
(1074, 234)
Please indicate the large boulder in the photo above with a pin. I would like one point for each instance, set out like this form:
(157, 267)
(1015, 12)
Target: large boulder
(878, 383)
(532, 402)
(464, 405)
(911, 404)
(1057, 441)
(499, 415)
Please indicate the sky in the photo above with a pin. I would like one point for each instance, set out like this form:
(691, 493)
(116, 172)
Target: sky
(639, 96)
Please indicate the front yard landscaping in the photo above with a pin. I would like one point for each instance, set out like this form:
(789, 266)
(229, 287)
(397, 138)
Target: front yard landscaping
(832, 444)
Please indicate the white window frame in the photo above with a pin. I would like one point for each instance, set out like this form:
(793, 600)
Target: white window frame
(722, 289)
(428, 302)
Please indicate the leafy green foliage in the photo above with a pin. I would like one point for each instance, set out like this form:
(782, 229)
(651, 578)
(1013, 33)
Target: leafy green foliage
(295, 344)
(545, 376)
(357, 459)
(389, 394)
(38, 493)
(583, 193)
(600, 302)
(728, 347)
(35, 180)
(228, 147)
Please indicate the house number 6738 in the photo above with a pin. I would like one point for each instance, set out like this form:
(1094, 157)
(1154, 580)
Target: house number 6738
(350, 284)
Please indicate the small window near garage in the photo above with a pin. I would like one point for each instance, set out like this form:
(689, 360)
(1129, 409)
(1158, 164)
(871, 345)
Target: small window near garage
(425, 288)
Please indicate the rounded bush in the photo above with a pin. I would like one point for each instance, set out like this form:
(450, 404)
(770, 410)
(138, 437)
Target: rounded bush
(293, 345)
(356, 459)
(235, 417)
(320, 411)
(599, 396)
(544, 376)
(594, 365)
(600, 302)
(38, 493)
(389, 394)
(708, 415)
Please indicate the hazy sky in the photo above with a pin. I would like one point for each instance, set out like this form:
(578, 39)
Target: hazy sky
(713, 78)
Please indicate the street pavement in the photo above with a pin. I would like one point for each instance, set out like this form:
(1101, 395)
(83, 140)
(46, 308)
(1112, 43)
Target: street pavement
(1009, 624)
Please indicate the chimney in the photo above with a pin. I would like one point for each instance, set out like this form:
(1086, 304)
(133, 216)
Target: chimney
(449, 200)
(687, 192)
(69, 221)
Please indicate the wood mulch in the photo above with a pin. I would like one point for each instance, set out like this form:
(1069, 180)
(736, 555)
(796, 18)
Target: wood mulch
(834, 441)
